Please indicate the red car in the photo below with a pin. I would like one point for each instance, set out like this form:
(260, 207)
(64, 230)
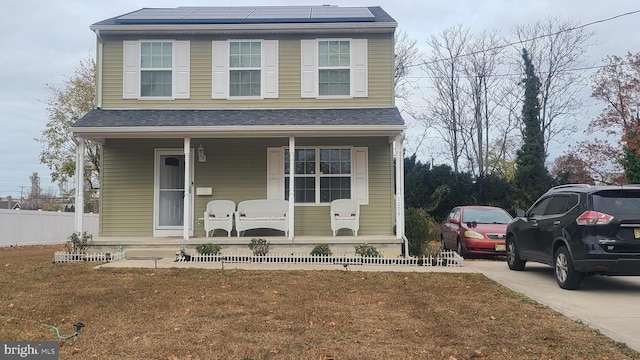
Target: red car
(478, 230)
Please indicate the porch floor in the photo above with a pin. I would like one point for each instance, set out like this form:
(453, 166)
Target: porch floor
(167, 246)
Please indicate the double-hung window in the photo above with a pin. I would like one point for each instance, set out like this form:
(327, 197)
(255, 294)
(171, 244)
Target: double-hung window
(321, 174)
(156, 69)
(245, 69)
(334, 59)
(334, 68)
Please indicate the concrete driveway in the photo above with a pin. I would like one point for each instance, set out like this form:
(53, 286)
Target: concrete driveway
(608, 304)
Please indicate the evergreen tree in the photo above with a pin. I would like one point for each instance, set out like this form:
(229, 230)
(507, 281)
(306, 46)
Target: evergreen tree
(531, 177)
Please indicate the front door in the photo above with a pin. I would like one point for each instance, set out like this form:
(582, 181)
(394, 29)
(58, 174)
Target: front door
(169, 193)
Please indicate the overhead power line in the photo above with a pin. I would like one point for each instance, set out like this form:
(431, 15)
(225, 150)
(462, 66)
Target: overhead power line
(533, 38)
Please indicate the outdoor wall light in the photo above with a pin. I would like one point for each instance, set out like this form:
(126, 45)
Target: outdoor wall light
(201, 155)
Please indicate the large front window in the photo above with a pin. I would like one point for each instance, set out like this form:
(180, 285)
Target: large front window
(321, 175)
(244, 68)
(156, 69)
(334, 61)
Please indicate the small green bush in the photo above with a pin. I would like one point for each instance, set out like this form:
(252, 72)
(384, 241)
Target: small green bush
(420, 229)
(208, 249)
(366, 250)
(79, 242)
(321, 250)
(260, 247)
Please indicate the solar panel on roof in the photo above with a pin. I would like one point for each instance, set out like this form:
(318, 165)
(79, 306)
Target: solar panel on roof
(220, 13)
(335, 12)
(281, 13)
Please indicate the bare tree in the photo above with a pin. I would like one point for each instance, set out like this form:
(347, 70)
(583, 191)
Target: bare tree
(486, 55)
(557, 49)
(445, 70)
(407, 56)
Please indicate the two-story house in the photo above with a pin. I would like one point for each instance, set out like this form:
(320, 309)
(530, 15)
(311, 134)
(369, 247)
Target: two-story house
(196, 104)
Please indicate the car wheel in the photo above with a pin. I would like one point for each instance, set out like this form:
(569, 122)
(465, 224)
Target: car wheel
(443, 247)
(459, 248)
(513, 258)
(566, 275)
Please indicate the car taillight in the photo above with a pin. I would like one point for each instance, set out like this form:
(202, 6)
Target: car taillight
(593, 218)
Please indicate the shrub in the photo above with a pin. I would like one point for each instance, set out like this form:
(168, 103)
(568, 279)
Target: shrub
(420, 229)
(208, 249)
(260, 247)
(79, 242)
(366, 250)
(321, 250)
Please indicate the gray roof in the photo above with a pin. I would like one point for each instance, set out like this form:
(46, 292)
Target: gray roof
(98, 118)
(250, 15)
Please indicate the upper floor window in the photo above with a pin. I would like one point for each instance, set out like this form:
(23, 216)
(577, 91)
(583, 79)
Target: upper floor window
(334, 68)
(334, 59)
(245, 69)
(157, 69)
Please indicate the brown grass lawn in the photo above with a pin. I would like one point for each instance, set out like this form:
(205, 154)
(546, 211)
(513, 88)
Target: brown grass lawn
(235, 314)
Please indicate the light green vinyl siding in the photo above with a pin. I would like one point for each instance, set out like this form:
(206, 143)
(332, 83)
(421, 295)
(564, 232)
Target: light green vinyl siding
(236, 170)
(380, 74)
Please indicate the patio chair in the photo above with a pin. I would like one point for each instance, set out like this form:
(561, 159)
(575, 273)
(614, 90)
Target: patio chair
(345, 214)
(219, 215)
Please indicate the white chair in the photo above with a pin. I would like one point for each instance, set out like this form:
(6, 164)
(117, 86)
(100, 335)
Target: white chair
(345, 214)
(219, 215)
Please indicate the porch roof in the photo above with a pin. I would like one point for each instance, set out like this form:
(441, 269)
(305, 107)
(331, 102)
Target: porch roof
(100, 124)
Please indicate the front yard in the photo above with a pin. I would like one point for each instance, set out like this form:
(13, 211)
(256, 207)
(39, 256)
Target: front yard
(236, 314)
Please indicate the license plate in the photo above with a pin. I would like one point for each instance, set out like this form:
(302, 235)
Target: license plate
(503, 247)
(636, 233)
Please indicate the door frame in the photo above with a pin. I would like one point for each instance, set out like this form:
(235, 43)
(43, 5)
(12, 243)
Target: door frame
(166, 231)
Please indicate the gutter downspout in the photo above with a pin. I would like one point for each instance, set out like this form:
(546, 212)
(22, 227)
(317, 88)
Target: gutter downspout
(79, 191)
(99, 52)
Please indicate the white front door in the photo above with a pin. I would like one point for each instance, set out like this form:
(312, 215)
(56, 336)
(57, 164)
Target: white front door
(169, 193)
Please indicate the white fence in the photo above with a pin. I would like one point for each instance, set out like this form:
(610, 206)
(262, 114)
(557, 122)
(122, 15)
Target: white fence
(445, 258)
(63, 257)
(31, 227)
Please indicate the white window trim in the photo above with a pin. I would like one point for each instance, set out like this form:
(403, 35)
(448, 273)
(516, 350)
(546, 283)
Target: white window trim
(359, 175)
(269, 53)
(180, 70)
(358, 66)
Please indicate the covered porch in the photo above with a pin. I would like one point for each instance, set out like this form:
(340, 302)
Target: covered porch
(225, 155)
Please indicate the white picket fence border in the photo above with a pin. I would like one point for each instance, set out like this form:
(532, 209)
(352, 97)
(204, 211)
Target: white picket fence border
(447, 258)
(65, 257)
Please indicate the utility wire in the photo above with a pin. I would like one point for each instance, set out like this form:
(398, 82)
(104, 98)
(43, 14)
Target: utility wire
(533, 38)
(428, 77)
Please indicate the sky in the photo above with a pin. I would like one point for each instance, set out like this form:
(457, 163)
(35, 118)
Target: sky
(43, 41)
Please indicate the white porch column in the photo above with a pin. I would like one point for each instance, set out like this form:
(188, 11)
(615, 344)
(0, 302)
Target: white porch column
(292, 170)
(187, 189)
(79, 205)
(398, 145)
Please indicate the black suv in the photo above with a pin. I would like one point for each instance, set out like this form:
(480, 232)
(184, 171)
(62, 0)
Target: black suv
(579, 230)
